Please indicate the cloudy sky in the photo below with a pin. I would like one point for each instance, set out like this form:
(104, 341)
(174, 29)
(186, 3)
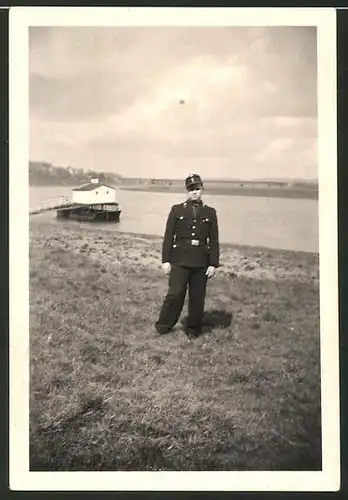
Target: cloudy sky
(164, 102)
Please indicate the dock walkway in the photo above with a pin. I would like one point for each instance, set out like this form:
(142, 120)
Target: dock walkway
(53, 204)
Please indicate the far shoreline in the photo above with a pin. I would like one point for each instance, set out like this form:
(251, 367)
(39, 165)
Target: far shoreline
(310, 194)
(264, 192)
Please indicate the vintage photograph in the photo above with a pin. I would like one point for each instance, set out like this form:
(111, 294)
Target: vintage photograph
(174, 294)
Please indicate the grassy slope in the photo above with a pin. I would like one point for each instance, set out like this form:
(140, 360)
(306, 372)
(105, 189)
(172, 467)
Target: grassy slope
(108, 394)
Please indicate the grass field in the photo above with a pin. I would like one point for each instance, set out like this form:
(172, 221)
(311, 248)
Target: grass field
(107, 393)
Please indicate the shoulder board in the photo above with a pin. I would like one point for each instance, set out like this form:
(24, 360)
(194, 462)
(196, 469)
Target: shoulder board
(209, 207)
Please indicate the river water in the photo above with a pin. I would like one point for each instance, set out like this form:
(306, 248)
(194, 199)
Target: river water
(280, 223)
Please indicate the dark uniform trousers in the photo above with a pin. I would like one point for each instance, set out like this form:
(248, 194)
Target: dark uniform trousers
(191, 245)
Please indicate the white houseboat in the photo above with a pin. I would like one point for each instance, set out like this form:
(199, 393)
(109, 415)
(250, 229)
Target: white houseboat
(94, 201)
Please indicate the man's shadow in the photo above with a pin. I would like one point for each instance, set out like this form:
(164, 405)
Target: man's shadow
(213, 319)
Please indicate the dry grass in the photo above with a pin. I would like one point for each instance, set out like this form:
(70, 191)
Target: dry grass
(107, 393)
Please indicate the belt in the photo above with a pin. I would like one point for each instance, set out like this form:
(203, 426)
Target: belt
(193, 242)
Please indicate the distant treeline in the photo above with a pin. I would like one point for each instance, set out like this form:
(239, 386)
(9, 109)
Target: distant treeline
(226, 183)
(46, 174)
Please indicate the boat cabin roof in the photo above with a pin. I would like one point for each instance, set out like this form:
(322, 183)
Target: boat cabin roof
(91, 186)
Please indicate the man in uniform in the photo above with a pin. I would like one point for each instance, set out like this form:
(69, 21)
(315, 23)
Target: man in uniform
(190, 255)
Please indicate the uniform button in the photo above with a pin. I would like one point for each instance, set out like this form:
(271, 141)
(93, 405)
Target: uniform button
(192, 234)
(193, 227)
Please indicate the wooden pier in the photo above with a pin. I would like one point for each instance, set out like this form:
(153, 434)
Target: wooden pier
(56, 203)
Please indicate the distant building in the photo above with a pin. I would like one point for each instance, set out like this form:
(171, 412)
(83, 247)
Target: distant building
(94, 193)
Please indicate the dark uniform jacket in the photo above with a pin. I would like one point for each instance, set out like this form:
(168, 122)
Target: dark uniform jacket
(191, 236)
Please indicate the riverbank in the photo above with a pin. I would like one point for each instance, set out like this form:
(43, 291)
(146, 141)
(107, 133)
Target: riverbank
(271, 192)
(309, 192)
(108, 394)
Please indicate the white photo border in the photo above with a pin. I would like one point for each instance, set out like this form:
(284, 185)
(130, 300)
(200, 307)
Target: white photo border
(21, 478)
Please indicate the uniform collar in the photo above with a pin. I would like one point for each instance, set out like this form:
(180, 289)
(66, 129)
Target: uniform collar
(199, 203)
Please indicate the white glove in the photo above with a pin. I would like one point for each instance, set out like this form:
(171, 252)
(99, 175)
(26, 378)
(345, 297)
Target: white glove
(166, 267)
(210, 271)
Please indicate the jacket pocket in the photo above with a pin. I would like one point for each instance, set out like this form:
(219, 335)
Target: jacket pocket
(205, 220)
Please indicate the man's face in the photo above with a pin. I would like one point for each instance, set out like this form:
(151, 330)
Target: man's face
(195, 192)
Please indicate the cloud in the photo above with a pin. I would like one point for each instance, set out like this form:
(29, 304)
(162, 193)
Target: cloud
(156, 98)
